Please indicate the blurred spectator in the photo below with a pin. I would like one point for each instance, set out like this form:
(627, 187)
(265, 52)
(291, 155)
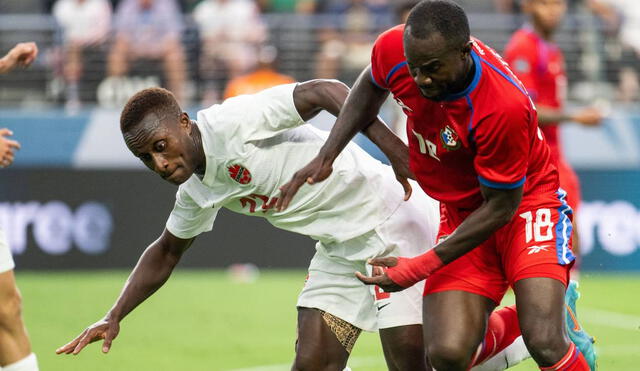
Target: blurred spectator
(149, 30)
(346, 42)
(230, 31)
(287, 6)
(85, 25)
(623, 16)
(264, 76)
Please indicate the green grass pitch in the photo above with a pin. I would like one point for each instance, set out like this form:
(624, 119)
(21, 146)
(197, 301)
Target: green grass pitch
(200, 320)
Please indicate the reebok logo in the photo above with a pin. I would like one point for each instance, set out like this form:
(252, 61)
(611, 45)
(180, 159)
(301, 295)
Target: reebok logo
(536, 249)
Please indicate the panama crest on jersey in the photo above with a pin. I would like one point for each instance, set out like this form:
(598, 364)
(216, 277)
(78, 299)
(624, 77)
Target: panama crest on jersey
(239, 173)
(450, 139)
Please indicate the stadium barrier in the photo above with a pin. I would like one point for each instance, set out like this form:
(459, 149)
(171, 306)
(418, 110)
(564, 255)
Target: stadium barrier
(87, 219)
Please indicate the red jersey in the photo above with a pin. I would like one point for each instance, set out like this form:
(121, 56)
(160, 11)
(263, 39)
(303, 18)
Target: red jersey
(486, 134)
(540, 66)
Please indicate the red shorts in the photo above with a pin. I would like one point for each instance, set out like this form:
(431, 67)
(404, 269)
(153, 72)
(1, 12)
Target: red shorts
(570, 183)
(536, 243)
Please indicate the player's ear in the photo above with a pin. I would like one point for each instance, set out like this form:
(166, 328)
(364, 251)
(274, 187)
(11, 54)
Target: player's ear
(185, 121)
(466, 49)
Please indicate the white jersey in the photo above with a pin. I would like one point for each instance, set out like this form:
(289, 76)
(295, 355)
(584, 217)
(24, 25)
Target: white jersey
(253, 145)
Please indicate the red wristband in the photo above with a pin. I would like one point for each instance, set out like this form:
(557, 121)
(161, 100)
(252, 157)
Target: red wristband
(409, 271)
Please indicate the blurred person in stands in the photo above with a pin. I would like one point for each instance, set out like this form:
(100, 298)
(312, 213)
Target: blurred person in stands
(15, 349)
(149, 30)
(623, 16)
(539, 63)
(263, 77)
(288, 6)
(348, 38)
(230, 31)
(85, 25)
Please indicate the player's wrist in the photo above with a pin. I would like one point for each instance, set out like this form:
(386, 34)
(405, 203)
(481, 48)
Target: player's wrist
(113, 316)
(410, 271)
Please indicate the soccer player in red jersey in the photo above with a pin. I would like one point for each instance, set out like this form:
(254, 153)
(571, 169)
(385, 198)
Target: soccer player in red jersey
(474, 145)
(539, 64)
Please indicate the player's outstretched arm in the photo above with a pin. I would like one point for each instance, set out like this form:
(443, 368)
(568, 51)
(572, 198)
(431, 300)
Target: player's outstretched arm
(152, 271)
(359, 111)
(589, 116)
(23, 54)
(497, 210)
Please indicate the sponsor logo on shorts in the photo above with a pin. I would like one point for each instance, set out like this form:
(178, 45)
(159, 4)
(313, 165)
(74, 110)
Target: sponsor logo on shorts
(239, 173)
(537, 248)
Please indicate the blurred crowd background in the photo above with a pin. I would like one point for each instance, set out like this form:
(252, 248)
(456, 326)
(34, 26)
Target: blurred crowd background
(98, 52)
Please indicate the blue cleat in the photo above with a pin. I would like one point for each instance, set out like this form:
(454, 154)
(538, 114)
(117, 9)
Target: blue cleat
(577, 334)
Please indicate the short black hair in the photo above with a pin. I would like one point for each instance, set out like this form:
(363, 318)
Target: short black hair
(158, 100)
(439, 16)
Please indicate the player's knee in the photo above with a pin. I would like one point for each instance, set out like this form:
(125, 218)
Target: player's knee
(449, 356)
(408, 355)
(546, 347)
(10, 308)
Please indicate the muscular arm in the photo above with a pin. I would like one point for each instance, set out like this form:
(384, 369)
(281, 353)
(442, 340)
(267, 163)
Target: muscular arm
(358, 113)
(152, 271)
(356, 110)
(589, 116)
(497, 210)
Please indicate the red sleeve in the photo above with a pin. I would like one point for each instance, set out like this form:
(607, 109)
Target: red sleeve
(377, 65)
(502, 147)
(387, 56)
(521, 55)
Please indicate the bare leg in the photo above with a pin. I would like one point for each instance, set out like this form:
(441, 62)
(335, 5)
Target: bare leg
(540, 303)
(454, 325)
(403, 348)
(14, 342)
(318, 347)
(117, 60)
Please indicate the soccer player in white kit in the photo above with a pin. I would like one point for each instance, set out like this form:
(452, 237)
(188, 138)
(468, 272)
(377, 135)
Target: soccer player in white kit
(15, 348)
(236, 156)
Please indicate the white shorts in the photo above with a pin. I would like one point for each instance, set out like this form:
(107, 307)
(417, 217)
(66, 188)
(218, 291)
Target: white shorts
(6, 260)
(332, 286)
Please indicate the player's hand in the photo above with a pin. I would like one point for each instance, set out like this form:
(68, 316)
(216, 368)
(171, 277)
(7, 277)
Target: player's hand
(23, 54)
(589, 116)
(399, 159)
(7, 148)
(379, 276)
(316, 171)
(103, 329)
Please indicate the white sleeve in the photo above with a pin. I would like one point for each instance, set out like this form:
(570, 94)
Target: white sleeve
(187, 219)
(271, 112)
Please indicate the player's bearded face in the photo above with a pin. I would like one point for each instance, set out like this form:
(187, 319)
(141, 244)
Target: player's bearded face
(164, 146)
(436, 67)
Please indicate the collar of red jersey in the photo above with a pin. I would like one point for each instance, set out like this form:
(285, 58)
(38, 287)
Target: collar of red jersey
(474, 82)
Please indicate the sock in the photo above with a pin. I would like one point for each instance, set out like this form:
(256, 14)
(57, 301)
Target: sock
(515, 353)
(502, 330)
(28, 363)
(573, 360)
